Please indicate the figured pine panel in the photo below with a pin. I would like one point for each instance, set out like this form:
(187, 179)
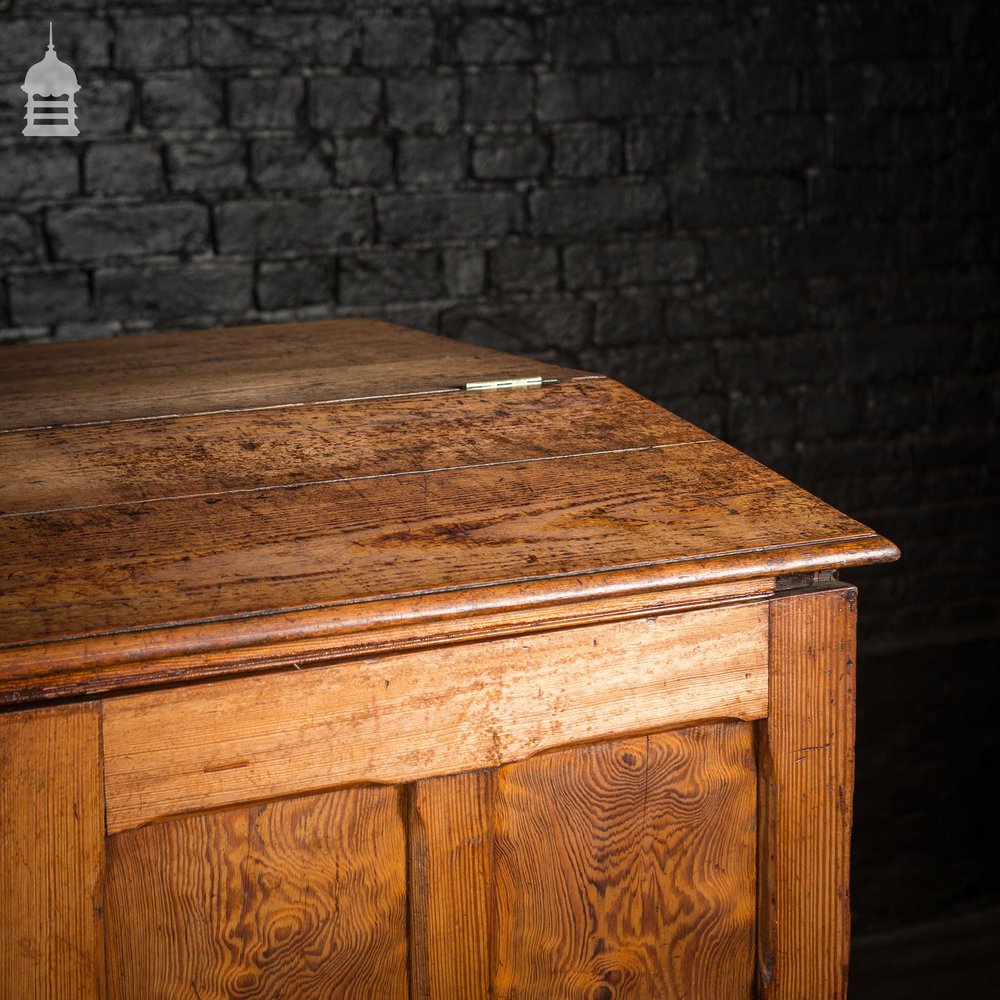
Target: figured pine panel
(51, 854)
(807, 762)
(621, 870)
(304, 899)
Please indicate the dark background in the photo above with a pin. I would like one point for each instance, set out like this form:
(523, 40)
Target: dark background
(778, 219)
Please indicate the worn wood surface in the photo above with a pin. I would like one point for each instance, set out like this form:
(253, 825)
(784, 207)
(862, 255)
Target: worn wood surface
(304, 899)
(807, 765)
(285, 447)
(620, 869)
(401, 718)
(214, 494)
(51, 854)
(204, 371)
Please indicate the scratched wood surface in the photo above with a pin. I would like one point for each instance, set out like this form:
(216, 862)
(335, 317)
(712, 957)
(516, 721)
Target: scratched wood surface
(617, 870)
(51, 854)
(128, 463)
(304, 898)
(203, 371)
(288, 473)
(409, 716)
(807, 781)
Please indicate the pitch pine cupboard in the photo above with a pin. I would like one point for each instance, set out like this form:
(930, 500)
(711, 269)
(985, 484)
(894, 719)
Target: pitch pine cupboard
(326, 673)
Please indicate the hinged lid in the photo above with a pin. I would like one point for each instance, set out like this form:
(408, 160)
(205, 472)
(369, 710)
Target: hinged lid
(184, 504)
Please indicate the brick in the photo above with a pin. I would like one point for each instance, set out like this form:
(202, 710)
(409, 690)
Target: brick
(123, 168)
(830, 250)
(499, 97)
(703, 311)
(338, 104)
(49, 296)
(364, 160)
(737, 202)
(861, 141)
(544, 329)
(407, 218)
(18, 239)
(661, 148)
(183, 100)
(686, 34)
(580, 39)
(207, 165)
(638, 262)
(273, 40)
(255, 226)
(96, 232)
(192, 293)
(390, 277)
(397, 41)
(143, 43)
(504, 156)
(764, 89)
(587, 151)
(106, 107)
(40, 168)
(82, 43)
(635, 319)
(432, 159)
(265, 102)
(495, 40)
(464, 271)
(287, 284)
(524, 267)
(423, 100)
(737, 258)
(785, 143)
(290, 165)
(597, 209)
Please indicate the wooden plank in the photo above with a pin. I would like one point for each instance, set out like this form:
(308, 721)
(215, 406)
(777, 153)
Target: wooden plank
(627, 869)
(807, 755)
(63, 468)
(204, 371)
(451, 886)
(402, 718)
(112, 568)
(51, 854)
(303, 898)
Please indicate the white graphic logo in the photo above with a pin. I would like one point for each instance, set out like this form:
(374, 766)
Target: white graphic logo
(51, 78)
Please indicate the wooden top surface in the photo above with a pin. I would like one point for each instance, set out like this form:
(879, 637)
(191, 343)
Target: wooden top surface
(187, 489)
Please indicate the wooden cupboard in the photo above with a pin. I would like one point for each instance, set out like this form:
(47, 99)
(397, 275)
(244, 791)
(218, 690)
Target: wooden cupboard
(324, 674)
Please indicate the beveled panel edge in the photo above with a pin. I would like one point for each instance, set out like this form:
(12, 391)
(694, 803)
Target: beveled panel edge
(100, 664)
(399, 718)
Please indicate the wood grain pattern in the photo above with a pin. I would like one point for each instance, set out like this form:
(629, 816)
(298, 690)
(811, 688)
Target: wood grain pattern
(303, 899)
(199, 559)
(204, 371)
(807, 783)
(451, 886)
(51, 854)
(126, 463)
(626, 869)
(401, 718)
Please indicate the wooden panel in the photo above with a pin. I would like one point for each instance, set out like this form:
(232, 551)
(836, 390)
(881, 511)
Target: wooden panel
(301, 899)
(627, 870)
(208, 370)
(451, 886)
(198, 559)
(807, 755)
(64, 468)
(51, 854)
(400, 718)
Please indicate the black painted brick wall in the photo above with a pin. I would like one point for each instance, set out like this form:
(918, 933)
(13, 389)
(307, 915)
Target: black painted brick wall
(778, 219)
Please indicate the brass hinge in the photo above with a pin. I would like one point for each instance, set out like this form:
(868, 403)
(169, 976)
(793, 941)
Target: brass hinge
(505, 383)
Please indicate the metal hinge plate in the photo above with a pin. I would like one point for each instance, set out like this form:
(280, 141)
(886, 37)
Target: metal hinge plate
(505, 383)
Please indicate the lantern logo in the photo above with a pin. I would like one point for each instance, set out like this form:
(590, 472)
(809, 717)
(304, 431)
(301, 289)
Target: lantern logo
(51, 88)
